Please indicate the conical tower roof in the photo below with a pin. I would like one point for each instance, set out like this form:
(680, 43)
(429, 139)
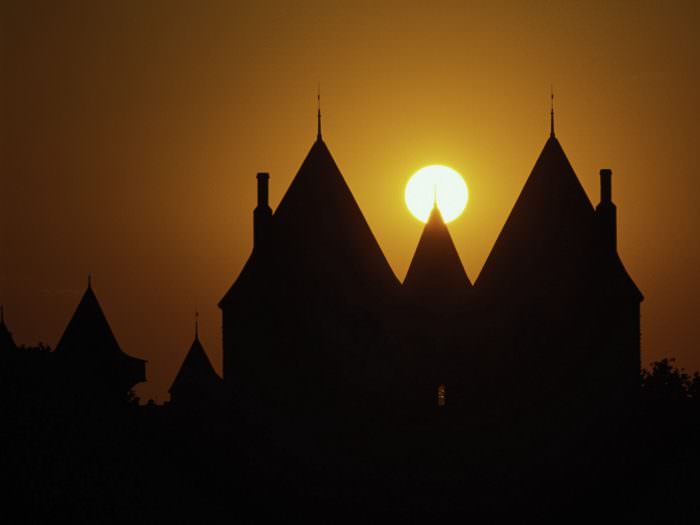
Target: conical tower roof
(88, 342)
(320, 238)
(436, 270)
(550, 234)
(196, 371)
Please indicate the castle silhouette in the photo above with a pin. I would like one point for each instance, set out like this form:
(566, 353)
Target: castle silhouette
(317, 323)
(342, 384)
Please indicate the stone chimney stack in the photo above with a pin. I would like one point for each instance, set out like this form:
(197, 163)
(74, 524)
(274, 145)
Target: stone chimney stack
(607, 212)
(262, 215)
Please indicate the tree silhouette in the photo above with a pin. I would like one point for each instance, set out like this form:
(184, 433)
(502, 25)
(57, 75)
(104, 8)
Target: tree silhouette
(667, 383)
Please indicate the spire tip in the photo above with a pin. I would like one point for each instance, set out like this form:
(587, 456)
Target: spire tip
(318, 113)
(551, 112)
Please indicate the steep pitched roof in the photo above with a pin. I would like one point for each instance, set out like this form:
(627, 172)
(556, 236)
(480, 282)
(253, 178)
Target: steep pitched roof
(196, 371)
(550, 233)
(551, 242)
(88, 341)
(436, 269)
(320, 236)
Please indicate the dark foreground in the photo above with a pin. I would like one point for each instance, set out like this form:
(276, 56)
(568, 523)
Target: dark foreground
(130, 463)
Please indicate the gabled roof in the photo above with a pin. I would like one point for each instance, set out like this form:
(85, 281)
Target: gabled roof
(196, 371)
(88, 341)
(436, 270)
(320, 237)
(550, 233)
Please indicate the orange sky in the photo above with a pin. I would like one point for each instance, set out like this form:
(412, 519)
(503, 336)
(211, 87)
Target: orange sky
(131, 135)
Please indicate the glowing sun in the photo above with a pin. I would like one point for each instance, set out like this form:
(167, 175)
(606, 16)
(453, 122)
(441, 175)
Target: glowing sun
(439, 183)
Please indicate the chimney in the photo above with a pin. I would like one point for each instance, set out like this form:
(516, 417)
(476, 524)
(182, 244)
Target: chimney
(607, 212)
(262, 215)
(263, 193)
(606, 185)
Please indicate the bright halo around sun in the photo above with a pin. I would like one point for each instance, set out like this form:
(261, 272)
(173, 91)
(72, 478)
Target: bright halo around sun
(439, 183)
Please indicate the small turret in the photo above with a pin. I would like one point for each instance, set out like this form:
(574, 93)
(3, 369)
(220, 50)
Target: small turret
(607, 212)
(436, 275)
(262, 215)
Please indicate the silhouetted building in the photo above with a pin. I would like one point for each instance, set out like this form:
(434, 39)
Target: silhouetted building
(559, 313)
(90, 357)
(317, 318)
(303, 324)
(196, 385)
(437, 294)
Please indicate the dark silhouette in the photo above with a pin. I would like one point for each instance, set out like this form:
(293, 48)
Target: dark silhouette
(89, 355)
(196, 386)
(520, 396)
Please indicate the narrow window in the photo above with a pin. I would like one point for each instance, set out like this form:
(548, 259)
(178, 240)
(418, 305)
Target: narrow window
(441, 396)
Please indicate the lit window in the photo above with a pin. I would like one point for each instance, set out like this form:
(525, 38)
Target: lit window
(441, 396)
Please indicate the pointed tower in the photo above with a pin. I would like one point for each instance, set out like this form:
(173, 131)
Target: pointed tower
(91, 355)
(548, 241)
(436, 273)
(436, 291)
(307, 309)
(561, 312)
(196, 383)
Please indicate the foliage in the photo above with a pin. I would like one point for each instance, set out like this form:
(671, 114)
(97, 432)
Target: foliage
(665, 382)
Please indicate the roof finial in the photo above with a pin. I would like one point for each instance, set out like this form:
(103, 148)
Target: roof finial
(89, 281)
(435, 205)
(318, 115)
(551, 113)
(196, 324)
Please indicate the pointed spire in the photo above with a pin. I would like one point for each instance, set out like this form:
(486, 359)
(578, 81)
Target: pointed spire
(551, 113)
(435, 204)
(318, 115)
(89, 281)
(196, 325)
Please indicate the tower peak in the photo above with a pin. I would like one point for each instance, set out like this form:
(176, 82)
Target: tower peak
(551, 113)
(318, 112)
(196, 325)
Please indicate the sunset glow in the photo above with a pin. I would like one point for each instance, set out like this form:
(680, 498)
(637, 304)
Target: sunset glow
(440, 183)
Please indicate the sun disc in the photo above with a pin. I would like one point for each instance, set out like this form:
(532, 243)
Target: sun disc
(440, 183)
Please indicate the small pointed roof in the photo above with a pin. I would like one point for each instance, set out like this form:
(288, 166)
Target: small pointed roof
(196, 370)
(7, 343)
(88, 339)
(320, 236)
(436, 270)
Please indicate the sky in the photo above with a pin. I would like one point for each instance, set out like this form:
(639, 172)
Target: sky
(131, 133)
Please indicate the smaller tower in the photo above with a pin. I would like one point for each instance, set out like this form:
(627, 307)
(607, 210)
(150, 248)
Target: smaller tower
(91, 359)
(197, 385)
(606, 212)
(436, 275)
(262, 215)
